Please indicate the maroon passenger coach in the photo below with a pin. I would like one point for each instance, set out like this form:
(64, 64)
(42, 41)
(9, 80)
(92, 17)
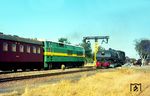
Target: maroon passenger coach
(20, 53)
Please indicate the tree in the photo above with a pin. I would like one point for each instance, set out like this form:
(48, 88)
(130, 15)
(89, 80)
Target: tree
(132, 60)
(100, 48)
(88, 49)
(143, 48)
(64, 40)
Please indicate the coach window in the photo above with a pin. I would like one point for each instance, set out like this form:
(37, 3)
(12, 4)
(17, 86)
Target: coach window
(28, 49)
(34, 49)
(13, 47)
(5, 46)
(38, 51)
(21, 48)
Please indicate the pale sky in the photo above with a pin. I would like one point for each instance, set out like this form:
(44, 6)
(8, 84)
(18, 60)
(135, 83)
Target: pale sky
(123, 20)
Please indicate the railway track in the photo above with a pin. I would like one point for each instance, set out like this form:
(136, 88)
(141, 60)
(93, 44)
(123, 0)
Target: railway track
(7, 79)
(8, 72)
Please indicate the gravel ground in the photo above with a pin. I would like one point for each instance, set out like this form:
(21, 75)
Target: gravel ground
(20, 85)
(17, 74)
(109, 82)
(32, 83)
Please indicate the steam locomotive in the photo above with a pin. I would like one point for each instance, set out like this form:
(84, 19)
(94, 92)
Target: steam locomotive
(110, 58)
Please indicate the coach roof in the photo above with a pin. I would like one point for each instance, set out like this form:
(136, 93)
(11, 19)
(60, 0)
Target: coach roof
(19, 39)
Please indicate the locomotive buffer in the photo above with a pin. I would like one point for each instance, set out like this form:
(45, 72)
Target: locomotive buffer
(96, 38)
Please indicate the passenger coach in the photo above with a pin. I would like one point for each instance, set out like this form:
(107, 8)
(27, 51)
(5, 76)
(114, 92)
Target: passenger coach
(20, 53)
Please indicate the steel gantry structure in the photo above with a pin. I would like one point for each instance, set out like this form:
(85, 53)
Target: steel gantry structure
(96, 38)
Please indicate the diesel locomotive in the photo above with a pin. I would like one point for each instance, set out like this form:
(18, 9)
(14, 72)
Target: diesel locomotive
(110, 58)
(23, 53)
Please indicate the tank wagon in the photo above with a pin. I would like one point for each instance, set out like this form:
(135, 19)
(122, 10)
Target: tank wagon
(110, 58)
(22, 53)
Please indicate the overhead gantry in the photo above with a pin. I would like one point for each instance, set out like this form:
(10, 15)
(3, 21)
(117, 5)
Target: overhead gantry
(96, 38)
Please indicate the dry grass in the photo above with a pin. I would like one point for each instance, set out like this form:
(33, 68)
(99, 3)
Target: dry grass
(116, 83)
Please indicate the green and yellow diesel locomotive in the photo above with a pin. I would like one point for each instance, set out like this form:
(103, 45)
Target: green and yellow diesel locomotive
(58, 54)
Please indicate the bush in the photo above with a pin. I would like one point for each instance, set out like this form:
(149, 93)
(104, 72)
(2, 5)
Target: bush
(88, 60)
